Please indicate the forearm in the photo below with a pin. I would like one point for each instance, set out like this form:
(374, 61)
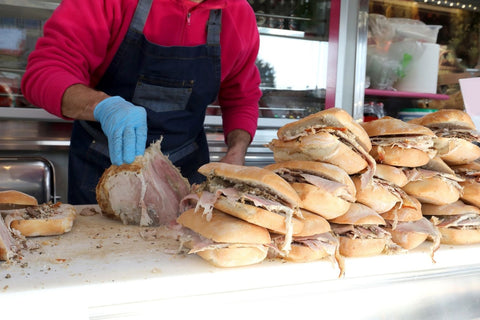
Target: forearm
(237, 144)
(79, 101)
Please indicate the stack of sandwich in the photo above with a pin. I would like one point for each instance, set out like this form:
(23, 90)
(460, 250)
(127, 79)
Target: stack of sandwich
(320, 156)
(244, 214)
(457, 142)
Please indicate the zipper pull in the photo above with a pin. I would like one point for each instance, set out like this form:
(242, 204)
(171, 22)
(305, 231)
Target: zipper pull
(188, 17)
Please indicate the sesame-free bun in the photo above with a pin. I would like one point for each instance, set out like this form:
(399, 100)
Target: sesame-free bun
(452, 209)
(359, 214)
(453, 118)
(398, 156)
(49, 220)
(253, 176)
(332, 193)
(391, 174)
(332, 118)
(410, 209)
(245, 239)
(358, 247)
(459, 236)
(433, 190)
(313, 224)
(471, 192)
(321, 146)
(375, 195)
(388, 126)
(17, 197)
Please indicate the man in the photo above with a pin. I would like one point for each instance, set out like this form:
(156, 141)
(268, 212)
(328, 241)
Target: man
(132, 71)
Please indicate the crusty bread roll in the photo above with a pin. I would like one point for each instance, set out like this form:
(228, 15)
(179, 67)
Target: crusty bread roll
(453, 118)
(350, 247)
(43, 220)
(407, 240)
(376, 195)
(312, 224)
(471, 192)
(459, 236)
(398, 156)
(17, 197)
(323, 188)
(322, 146)
(360, 214)
(235, 242)
(471, 186)
(391, 174)
(410, 209)
(399, 143)
(388, 126)
(434, 190)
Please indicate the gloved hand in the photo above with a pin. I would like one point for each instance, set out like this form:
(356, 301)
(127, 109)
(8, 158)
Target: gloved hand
(125, 126)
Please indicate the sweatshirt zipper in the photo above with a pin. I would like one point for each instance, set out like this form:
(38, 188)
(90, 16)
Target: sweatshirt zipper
(189, 14)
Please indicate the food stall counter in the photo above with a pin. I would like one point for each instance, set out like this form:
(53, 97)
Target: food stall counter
(103, 269)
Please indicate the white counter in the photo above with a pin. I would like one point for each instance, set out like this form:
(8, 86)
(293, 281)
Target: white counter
(105, 270)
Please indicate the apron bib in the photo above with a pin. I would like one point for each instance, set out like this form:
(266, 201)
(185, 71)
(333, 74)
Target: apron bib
(174, 84)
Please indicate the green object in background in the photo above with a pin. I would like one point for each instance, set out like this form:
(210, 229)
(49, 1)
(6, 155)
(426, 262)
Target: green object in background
(407, 58)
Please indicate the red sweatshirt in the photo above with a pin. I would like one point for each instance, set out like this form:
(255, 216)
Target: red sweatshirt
(81, 38)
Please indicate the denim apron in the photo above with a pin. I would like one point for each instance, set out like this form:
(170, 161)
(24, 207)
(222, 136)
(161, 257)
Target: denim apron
(174, 84)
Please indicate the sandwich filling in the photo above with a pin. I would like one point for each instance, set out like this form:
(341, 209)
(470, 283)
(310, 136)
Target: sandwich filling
(336, 188)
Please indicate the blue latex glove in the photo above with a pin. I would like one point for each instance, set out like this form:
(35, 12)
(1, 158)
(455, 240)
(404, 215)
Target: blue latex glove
(125, 126)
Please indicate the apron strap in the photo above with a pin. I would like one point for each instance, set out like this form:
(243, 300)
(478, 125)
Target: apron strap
(214, 27)
(140, 16)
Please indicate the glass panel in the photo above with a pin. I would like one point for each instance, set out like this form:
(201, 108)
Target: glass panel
(293, 56)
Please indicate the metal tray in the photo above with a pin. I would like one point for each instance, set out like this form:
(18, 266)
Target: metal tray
(32, 175)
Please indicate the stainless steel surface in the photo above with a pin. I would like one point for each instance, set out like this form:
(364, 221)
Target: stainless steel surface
(32, 175)
(34, 135)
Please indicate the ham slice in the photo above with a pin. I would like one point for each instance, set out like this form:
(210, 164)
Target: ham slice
(146, 193)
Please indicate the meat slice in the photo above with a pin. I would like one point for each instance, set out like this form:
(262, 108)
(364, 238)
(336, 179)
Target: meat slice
(8, 245)
(146, 192)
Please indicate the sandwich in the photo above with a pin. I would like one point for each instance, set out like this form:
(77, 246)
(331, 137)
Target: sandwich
(399, 143)
(315, 242)
(25, 215)
(323, 188)
(384, 190)
(457, 135)
(331, 136)
(470, 172)
(408, 227)
(458, 223)
(253, 194)
(359, 232)
(47, 219)
(223, 240)
(434, 183)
